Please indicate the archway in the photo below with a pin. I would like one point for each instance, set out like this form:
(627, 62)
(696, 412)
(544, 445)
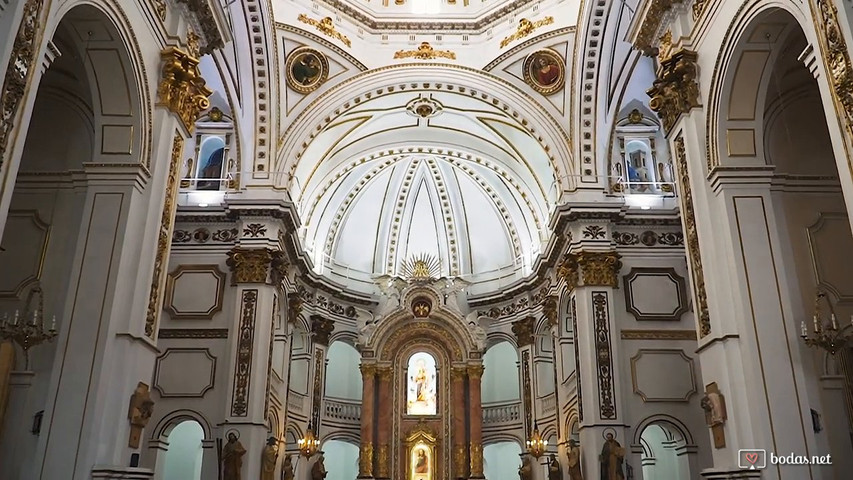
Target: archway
(501, 460)
(500, 377)
(661, 459)
(341, 459)
(343, 379)
(183, 458)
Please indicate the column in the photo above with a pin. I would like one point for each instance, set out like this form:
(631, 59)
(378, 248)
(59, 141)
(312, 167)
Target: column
(523, 330)
(383, 428)
(321, 329)
(460, 448)
(475, 374)
(368, 397)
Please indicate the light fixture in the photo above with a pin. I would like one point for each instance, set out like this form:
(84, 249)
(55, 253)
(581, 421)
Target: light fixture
(28, 331)
(308, 445)
(826, 335)
(536, 446)
(202, 205)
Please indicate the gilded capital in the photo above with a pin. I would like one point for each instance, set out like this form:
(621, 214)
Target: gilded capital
(549, 310)
(322, 328)
(475, 371)
(182, 89)
(384, 373)
(523, 330)
(249, 265)
(294, 307)
(367, 370)
(600, 269)
(568, 271)
(382, 462)
(675, 91)
(458, 373)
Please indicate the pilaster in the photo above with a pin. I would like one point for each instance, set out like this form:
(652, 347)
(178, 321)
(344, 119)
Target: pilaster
(383, 429)
(368, 417)
(475, 452)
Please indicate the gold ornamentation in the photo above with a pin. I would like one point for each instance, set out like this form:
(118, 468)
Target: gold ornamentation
(523, 330)
(600, 269)
(193, 46)
(458, 373)
(251, 265)
(421, 267)
(139, 413)
(19, 71)
(475, 372)
(294, 307)
(699, 8)
(167, 220)
(691, 238)
(317, 396)
(460, 461)
(476, 460)
(322, 328)
(604, 360)
(652, 18)
(367, 371)
(365, 460)
(635, 117)
(425, 52)
(525, 28)
(182, 89)
(382, 462)
(545, 71)
(549, 309)
(160, 8)
(207, 19)
(384, 373)
(421, 308)
(326, 27)
(658, 335)
(306, 69)
(245, 350)
(675, 90)
(837, 58)
(569, 271)
(665, 46)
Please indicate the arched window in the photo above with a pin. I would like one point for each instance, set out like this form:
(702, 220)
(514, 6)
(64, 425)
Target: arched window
(421, 393)
(210, 160)
(501, 460)
(183, 459)
(341, 459)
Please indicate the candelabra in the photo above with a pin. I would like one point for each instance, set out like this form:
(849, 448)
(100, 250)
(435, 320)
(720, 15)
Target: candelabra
(536, 445)
(309, 444)
(28, 331)
(826, 334)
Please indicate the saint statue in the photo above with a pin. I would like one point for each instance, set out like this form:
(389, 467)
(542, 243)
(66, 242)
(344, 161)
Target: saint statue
(269, 459)
(318, 471)
(421, 382)
(554, 472)
(525, 471)
(478, 333)
(574, 454)
(287, 468)
(611, 458)
(232, 458)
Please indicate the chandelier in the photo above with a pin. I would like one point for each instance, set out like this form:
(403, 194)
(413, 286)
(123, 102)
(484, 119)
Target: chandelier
(28, 331)
(309, 444)
(826, 334)
(536, 445)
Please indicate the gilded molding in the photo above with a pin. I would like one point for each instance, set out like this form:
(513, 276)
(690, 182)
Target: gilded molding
(167, 220)
(256, 265)
(192, 333)
(425, 51)
(367, 371)
(476, 460)
(523, 330)
(658, 335)
(475, 372)
(525, 28)
(549, 309)
(458, 373)
(600, 269)
(206, 18)
(651, 24)
(326, 27)
(691, 236)
(243, 365)
(365, 460)
(604, 359)
(382, 462)
(182, 89)
(699, 7)
(322, 328)
(836, 57)
(19, 71)
(675, 91)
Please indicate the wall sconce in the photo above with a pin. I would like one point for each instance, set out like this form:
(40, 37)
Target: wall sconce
(536, 445)
(309, 444)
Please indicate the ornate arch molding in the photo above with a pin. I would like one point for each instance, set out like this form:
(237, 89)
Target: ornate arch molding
(666, 420)
(441, 326)
(745, 21)
(485, 87)
(172, 419)
(503, 437)
(351, 438)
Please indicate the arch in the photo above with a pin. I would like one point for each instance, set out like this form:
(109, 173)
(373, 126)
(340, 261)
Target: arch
(341, 460)
(344, 436)
(501, 460)
(498, 437)
(343, 377)
(168, 421)
(500, 381)
(678, 427)
(185, 454)
(497, 337)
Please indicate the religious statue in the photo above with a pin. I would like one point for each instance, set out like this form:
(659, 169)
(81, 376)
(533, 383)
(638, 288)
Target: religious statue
(478, 333)
(141, 408)
(574, 455)
(287, 468)
(554, 470)
(232, 458)
(525, 471)
(421, 382)
(611, 458)
(269, 459)
(714, 405)
(366, 326)
(318, 471)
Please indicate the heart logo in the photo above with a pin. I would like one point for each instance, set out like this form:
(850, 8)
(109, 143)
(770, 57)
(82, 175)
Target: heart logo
(751, 457)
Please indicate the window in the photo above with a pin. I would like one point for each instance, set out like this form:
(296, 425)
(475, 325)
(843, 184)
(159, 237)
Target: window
(421, 381)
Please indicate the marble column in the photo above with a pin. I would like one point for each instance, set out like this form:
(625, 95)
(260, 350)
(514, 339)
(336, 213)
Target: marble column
(460, 449)
(475, 374)
(383, 431)
(368, 397)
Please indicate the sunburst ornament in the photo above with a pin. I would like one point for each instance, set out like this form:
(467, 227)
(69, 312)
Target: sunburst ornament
(423, 266)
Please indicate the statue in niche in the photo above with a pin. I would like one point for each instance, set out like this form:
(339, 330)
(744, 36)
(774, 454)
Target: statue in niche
(525, 471)
(318, 471)
(574, 455)
(611, 459)
(232, 457)
(269, 459)
(140, 411)
(287, 468)
(554, 470)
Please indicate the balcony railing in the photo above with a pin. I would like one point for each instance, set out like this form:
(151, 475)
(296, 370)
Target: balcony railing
(295, 401)
(501, 413)
(549, 404)
(343, 411)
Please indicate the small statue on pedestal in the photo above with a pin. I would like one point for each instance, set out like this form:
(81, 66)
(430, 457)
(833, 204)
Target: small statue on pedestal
(554, 470)
(611, 458)
(232, 457)
(269, 459)
(287, 468)
(574, 455)
(140, 411)
(525, 471)
(318, 471)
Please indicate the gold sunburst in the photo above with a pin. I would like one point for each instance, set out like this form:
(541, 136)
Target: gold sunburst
(423, 266)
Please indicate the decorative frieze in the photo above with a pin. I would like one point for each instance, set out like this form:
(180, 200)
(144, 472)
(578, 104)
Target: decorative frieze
(675, 91)
(182, 89)
(204, 235)
(836, 55)
(604, 359)
(649, 238)
(523, 330)
(194, 333)
(658, 335)
(425, 51)
(243, 365)
(688, 216)
(326, 27)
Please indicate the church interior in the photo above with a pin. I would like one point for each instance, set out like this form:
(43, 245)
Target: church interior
(426, 239)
